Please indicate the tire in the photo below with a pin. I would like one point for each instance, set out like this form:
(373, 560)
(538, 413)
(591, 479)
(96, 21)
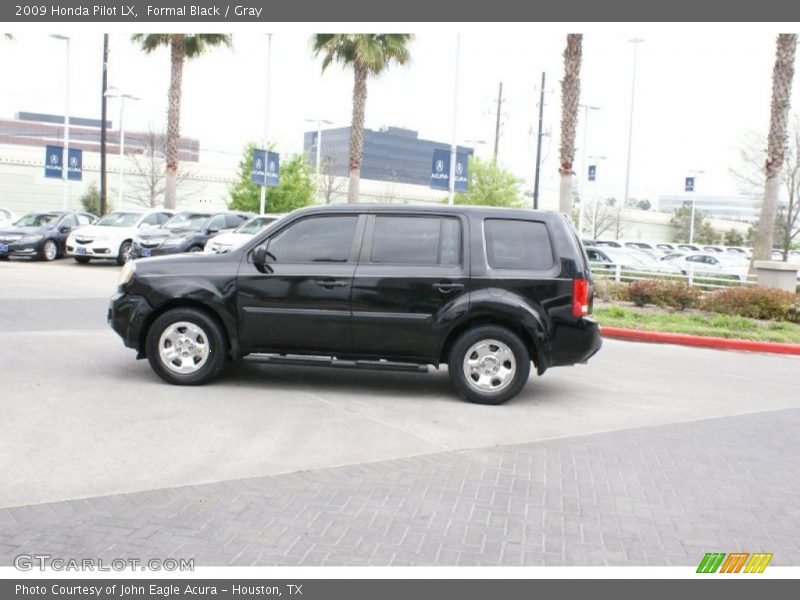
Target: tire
(493, 351)
(179, 332)
(196, 249)
(84, 260)
(124, 251)
(49, 250)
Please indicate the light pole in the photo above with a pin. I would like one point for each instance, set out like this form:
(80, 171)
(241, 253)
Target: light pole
(319, 123)
(453, 147)
(115, 93)
(263, 201)
(635, 42)
(65, 156)
(694, 175)
(586, 108)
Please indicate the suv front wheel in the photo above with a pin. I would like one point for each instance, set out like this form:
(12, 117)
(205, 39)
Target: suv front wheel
(186, 346)
(489, 365)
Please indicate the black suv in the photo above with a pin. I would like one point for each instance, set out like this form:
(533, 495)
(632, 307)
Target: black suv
(485, 291)
(187, 231)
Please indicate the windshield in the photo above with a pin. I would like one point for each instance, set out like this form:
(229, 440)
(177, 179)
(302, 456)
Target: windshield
(38, 220)
(119, 219)
(190, 221)
(624, 257)
(254, 225)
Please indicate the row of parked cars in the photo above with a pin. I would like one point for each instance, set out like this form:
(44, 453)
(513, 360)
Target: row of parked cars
(728, 262)
(122, 235)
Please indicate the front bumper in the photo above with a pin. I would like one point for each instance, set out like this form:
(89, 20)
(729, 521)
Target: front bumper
(138, 251)
(127, 315)
(92, 249)
(21, 249)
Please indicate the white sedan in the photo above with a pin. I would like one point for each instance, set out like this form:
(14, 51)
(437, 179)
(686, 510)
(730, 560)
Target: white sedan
(6, 217)
(111, 236)
(226, 242)
(708, 265)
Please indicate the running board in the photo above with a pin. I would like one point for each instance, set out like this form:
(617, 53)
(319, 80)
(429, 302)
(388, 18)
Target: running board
(324, 361)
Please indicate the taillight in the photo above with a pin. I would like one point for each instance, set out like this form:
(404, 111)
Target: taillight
(580, 297)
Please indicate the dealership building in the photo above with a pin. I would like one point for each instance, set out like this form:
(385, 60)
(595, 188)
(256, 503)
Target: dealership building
(24, 187)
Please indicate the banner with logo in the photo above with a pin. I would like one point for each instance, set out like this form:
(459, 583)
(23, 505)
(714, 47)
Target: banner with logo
(592, 172)
(440, 171)
(53, 163)
(266, 168)
(689, 186)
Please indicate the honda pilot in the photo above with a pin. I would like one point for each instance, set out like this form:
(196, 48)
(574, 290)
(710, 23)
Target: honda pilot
(489, 292)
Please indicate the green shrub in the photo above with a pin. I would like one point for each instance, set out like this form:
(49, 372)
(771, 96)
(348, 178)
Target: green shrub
(754, 302)
(659, 292)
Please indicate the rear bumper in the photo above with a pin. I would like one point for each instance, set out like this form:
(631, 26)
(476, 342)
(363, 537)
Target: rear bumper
(575, 342)
(127, 315)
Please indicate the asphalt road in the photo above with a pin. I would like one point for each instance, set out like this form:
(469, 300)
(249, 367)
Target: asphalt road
(83, 419)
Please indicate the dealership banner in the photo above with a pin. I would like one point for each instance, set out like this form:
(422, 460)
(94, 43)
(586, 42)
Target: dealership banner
(440, 171)
(261, 11)
(266, 168)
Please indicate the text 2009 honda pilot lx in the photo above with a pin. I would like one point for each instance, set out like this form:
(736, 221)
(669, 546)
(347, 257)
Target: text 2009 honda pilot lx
(486, 291)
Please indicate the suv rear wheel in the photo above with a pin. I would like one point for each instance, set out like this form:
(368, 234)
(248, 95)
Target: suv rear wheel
(489, 365)
(186, 346)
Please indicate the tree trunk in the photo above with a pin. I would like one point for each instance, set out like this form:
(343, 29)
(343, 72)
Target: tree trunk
(782, 75)
(570, 97)
(357, 130)
(177, 56)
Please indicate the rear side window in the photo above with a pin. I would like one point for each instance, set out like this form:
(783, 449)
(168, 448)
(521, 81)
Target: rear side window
(416, 241)
(519, 245)
(233, 221)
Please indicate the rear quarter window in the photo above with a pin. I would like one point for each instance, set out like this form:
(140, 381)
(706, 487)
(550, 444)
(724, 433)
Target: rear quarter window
(518, 245)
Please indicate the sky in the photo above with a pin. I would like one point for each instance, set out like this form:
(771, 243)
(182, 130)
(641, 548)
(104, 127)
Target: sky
(699, 90)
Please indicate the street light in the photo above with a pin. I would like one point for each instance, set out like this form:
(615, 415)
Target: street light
(65, 157)
(586, 108)
(263, 200)
(319, 123)
(115, 93)
(453, 148)
(635, 42)
(694, 175)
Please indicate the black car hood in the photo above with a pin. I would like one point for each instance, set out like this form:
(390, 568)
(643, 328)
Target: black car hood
(24, 230)
(162, 234)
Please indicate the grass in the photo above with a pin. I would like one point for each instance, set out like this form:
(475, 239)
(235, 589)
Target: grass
(697, 323)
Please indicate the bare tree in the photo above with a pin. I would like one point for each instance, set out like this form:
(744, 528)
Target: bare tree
(752, 155)
(330, 184)
(782, 75)
(602, 216)
(148, 175)
(570, 97)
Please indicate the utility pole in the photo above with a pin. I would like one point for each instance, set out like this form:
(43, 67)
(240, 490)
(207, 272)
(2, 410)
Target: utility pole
(103, 115)
(635, 42)
(538, 147)
(497, 122)
(262, 205)
(451, 183)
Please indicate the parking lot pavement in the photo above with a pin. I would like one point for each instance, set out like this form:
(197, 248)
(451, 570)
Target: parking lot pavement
(661, 495)
(85, 420)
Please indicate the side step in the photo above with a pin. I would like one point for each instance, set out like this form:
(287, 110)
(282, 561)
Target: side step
(326, 361)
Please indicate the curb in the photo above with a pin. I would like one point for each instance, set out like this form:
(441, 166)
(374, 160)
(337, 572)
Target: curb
(685, 339)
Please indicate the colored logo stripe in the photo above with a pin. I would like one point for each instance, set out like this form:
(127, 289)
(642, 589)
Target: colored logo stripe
(758, 563)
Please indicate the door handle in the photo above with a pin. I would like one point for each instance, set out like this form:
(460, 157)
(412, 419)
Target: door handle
(331, 283)
(447, 287)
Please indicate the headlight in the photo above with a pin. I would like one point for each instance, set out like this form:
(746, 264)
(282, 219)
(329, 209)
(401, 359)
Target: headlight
(29, 239)
(127, 272)
(102, 238)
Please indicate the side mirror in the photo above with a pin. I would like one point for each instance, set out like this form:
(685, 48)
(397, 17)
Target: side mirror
(64, 228)
(213, 230)
(260, 256)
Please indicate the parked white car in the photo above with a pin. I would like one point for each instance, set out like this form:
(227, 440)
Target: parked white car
(225, 242)
(708, 265)
(111, 236)
(628, 259)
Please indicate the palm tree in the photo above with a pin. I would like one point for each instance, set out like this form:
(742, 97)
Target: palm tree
(368, 54)
(782, 75)
(181, 47)
(570, 97)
